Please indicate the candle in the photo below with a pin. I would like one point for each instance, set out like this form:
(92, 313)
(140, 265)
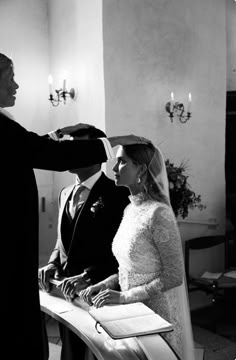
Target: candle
(64, 81)
(171, 102)
(50, 81)
(189, 103)
(64, 85)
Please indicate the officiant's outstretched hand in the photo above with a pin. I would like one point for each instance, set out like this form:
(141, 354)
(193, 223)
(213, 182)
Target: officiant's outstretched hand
(114, 140)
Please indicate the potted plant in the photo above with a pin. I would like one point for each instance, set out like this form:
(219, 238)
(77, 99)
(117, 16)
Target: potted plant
(182, 197)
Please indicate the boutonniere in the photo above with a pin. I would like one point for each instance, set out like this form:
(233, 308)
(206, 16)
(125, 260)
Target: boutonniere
(97, 205)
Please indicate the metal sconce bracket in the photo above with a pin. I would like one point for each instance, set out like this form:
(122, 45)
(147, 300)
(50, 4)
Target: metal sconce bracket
(61, 95)
(178, 111)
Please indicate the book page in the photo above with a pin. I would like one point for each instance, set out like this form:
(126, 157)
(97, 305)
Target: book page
(122, 311)
(135, 326)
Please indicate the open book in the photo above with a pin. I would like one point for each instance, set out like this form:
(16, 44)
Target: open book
(128, 320)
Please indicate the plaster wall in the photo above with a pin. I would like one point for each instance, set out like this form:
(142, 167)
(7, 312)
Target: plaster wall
(231, 44)
(152, 48)
(76, 49)
(24, 38)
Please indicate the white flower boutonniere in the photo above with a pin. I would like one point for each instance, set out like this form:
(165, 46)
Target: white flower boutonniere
(97, 206)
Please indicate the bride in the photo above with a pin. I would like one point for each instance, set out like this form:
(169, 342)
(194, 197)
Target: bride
(148, 248)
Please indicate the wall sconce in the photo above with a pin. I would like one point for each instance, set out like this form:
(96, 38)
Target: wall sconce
(177, 109)
(60, 93)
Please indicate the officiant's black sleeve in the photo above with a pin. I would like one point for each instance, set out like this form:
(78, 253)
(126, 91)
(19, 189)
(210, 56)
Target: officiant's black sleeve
(41, 152)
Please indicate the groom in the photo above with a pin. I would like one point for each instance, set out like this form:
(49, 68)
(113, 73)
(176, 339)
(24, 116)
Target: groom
(90, 212)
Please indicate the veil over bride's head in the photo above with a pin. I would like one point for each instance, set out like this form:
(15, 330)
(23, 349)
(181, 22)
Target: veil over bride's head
(155, 180)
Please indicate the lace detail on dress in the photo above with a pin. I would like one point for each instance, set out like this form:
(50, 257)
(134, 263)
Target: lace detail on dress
(129, 279)
(149, 252)
(111, 282)
(139, 198)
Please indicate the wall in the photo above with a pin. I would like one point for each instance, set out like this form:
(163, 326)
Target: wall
(24, 37)
(152, 48)
(78, 51)
(231, 44)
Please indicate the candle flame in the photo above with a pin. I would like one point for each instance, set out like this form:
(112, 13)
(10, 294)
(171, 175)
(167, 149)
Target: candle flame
(50, 79)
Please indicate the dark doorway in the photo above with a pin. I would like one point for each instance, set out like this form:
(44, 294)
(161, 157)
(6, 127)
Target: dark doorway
(230, 171)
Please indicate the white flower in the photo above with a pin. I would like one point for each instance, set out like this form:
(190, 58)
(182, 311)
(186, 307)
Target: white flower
(97, 205)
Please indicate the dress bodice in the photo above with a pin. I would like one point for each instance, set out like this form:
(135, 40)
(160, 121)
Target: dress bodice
(148, 249)
(147, 228)
(131, 245)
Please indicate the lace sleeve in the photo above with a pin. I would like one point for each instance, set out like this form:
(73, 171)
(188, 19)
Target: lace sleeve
(111, 282)
(167, 239)
(164, 235)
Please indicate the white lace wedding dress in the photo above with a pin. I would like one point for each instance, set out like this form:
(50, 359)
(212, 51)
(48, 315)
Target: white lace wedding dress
(151, 269)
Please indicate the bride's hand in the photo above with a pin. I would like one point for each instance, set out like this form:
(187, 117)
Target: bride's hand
(88, 293)
(108, 297)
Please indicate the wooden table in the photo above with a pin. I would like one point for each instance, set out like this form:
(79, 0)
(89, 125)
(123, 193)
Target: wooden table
(76, 317)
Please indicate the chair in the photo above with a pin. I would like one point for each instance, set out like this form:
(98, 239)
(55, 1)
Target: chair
(216, 248)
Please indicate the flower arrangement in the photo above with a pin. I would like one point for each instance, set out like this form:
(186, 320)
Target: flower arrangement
(97, 205)
(182, 197)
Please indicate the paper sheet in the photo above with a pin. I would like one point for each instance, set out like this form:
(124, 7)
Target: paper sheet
(231, 274)
(211, 275)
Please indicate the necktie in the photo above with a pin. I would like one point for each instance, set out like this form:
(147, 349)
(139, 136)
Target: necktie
(74, 203)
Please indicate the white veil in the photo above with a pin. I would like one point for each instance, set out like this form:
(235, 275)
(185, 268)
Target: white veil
(158, 172)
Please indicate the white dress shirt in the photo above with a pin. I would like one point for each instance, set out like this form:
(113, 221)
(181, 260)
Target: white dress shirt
(87, 186)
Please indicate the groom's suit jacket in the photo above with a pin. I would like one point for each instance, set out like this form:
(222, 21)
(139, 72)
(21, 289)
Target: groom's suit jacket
(85, 243)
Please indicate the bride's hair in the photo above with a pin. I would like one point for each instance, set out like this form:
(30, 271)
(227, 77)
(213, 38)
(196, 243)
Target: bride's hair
(143, 154)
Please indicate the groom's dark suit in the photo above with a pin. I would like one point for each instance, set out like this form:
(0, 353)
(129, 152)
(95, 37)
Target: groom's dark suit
(84, 243)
